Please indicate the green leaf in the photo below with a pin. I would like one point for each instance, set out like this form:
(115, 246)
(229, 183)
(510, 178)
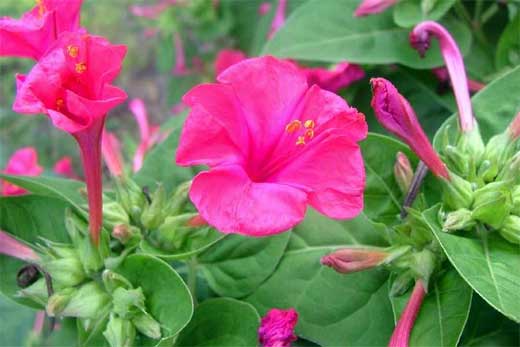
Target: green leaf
(17, 322)
(237, 265)
(408, 13)
(168, 299)
(334, 309)
(443, 313)
(485, 263)
(327, 31)
(221, 322)
(508, 49)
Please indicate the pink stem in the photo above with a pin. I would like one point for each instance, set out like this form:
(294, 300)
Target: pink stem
(14, 248)
(401, 335)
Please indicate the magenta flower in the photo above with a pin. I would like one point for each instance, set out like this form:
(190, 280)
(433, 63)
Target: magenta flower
(32, 34)
(111, 149)
(443, 76)
(341, 76)
(401, 335)
(180, 68)
(348, 260)
(367, 7)
(264, 8)
(152, 11)
(398, 117)
(420, 39)
(279, 18)
(14, 248)
(71, 85)
(227, 57)
(277, 328)
(273, 147)
(64, 167)
(23, 162)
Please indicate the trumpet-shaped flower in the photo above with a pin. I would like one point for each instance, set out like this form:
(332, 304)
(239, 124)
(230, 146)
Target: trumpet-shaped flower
(273, 145)
(32, 34)
(23, 162)
(277, 328)
(71, 85)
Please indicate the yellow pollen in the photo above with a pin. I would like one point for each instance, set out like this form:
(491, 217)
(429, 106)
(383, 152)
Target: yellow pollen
(309, 133)
(300, 141)
(41, 8)
(81, 67)
(59, 104)
(293, 126)
(73, 50)
(309, 124)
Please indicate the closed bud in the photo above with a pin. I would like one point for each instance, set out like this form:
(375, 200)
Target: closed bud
(131, 197)
(403, 172)
(112, 280)
(487, 171)
(423, 264)
(514, 128)
(36, 292)
(401, 284)
(511, 229)
(89, 301)
(516, 200)
(59, 300)
(174, 232)
(349, 260)
(511, 170)
(126, 234)
(492, 204)
(148, 326)
(456, 161)
(64, 265)
(457, 192)
(471, 145)
(458, 220)
(128, 302)
(114, 213)
(179, 198)
(154, 213)
(119, 332)
(498, 150)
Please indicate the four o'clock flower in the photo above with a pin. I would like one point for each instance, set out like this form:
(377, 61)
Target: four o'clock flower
(367, 7)
(14, 248)
(340, 76)
(23, 162)
(277, 328)
(64, 167)
(32, 34)
(398, 117)
(71, 85)
(111, 150)
(272, 147)
(227, 57)
(279, 18)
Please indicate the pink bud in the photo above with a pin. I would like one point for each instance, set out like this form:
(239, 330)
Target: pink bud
(64, 167)
(401, 335)
(514, 127)
(277, 328)
(349, 260)
(111, 149)
(403, 172)
(397, 116)
(367, 7)
(196, 222)
(279, 18)
(14, 248)
(264, 8)
(420, 40)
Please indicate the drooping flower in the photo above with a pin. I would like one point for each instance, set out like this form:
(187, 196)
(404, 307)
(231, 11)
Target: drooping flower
(398, 117)
(152, 11)
(443, 76)
(64, 167)
(71, 85)
(264, 8)
(279, 18)
(226, 58)
(348, 260)
(273, 147)
(32, 34)
(14, 248)
(23, 162)
(340, 76)
(401, 335)
(368, 7)
(277, 328)
(111, 150)
(420, 38)
(179, 68)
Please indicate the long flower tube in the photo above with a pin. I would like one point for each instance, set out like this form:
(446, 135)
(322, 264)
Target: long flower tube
(279, 18)
(14, 248)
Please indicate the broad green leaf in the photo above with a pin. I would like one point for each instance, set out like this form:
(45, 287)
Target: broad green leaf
(408, 13)
(17, 322)
(508, 49)
(443, 313)
(168, 299)
(326, 30)
(221, 322)
(334, 309)
(237, 265)
(485, 261)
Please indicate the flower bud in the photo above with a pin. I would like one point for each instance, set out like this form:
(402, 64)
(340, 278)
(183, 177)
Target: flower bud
(456, 161)
(114, 213)
(126, 234)
(179, 198)
(498, 150)
(89, 301)
(458, 220)
(511, 170)
(36, 292)
(131, 197)
(403, 172)
(174, 232)
(349, 260)
(511, 229)
(147, 325)
(197, 222)
(59, 300)
(154, 213)
(457, 193)
(472, 146)
(492, 204)
(112, 280)
(516, 200)
(423, 264)
(128, 302)
(514, 128)
(119, 332)
(63, 264)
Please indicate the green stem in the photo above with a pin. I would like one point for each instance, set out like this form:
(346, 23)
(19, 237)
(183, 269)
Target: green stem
(192, 278)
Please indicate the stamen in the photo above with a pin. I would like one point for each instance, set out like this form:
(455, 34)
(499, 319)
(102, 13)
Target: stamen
(309, 124)
(73, 50)
(81, 67)
(293, 126)
(41, 8)
(300, 141)
(309, 133)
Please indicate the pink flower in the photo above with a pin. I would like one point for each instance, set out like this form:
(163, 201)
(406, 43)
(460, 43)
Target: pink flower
(23, 162)
(401, 335)
(226, 58)
(341, 76)
(420, 39)
(180, 68)
(64, 167)
(150, 135)
(152, 11)
(443, 76)
(264, 8)
(279, 18)
(71, 85)
(367, 7)
(348, 260)
(277, 328)
(14, 248)
(32, 34)
(111, 149)
(273, 146)
(514, 127)
(398, 117)
(403, 172)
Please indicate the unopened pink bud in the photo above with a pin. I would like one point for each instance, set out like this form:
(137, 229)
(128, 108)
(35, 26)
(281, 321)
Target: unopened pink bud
(196, 222)
(14, 248)
(349, 260)
(277, 328)
(514, 127)
(367, 7)
(403, 172)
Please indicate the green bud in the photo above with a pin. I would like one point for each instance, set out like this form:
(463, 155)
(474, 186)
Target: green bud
(516, 200)
(154, 213)
(492, 204)
(128, 302)
(456, 160)
(458, 220)
(36, 292)
(119, 332)
(113, 280)
(59, 301)
(422, 265)
(401, 284)
(147, 325)
(131, 197)
(63, 264)
(472, 146)
(179, 199)
(89, 301)
(498, 150)
(173, 233)
(126, 234)
(457, 192)
(511, 170)
(511, 229)
(113, 213)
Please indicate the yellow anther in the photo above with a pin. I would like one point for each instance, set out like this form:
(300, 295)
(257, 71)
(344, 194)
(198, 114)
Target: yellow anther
(300, 141)
(309, 133)
(293, 126)
(73, 50)
(41, 8)
(309, 124)
(81, 67)
(59, 104)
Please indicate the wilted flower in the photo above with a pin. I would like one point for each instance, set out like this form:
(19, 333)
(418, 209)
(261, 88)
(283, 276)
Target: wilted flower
(348, 260)
(277, 328)
(23, 162)
(273, 147)
(367, 7)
